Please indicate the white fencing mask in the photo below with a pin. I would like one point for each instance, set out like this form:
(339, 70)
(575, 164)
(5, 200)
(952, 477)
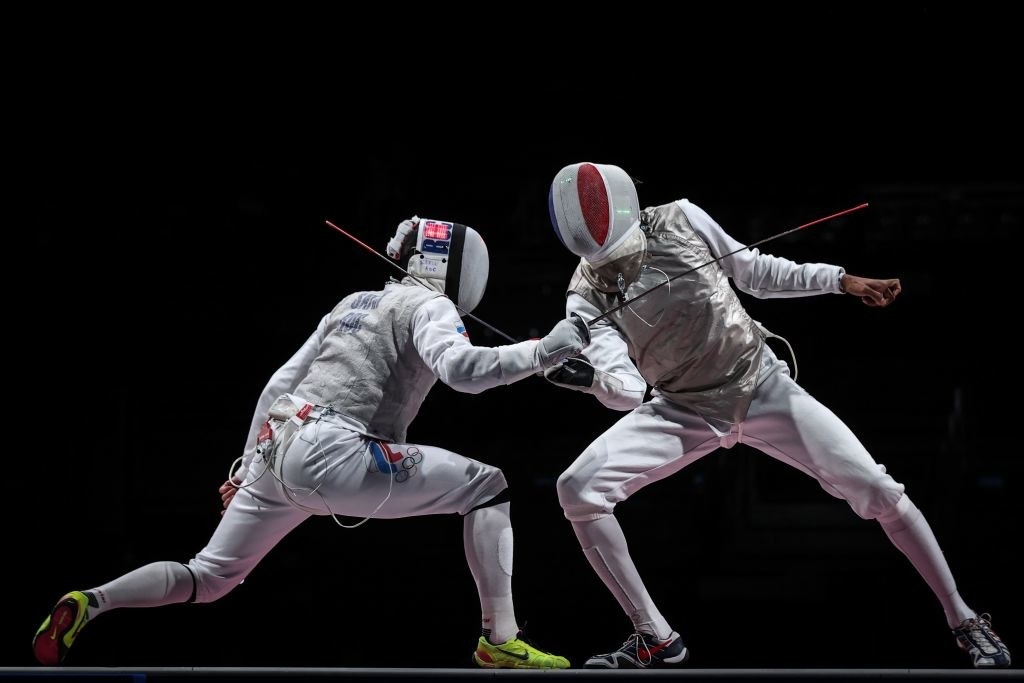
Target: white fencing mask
(593, 208)
(451, 258)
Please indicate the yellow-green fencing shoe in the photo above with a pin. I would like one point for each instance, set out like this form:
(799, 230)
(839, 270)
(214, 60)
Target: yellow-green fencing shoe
(515, 654)
(58, 632)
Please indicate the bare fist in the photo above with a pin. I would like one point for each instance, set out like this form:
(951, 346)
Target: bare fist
(227, 493)
(871, 291)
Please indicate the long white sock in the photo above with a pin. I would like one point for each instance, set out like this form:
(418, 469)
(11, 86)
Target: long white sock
(160, 583)
(605, 547)
(487, 538)
(909, 531)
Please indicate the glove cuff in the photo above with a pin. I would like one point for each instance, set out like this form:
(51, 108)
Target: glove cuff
(518, 361)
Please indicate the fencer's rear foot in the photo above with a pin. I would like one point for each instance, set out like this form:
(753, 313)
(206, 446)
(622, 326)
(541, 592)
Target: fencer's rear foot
(515, 653)
(643, 651)
(59, 630)
(976, 637)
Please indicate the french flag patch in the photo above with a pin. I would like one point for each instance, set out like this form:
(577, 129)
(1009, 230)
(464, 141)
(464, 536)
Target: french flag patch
(461, 329)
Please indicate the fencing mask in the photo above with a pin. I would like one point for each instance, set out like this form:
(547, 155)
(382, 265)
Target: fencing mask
(450, 258)
(593, 208)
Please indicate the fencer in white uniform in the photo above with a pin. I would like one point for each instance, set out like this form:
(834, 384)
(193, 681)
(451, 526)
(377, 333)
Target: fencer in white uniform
(714, 383)
(328, 437)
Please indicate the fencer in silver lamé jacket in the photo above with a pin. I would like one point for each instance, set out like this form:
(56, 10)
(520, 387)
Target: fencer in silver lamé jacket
(691, 339)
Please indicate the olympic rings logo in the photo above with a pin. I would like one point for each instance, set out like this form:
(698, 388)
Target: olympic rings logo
(401, 465)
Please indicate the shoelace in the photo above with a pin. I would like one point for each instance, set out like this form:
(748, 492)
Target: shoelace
(979, 632)
(636, 642)
(535, 647)
(521, 636)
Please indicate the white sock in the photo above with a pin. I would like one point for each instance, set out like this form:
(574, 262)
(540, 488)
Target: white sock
(605, 548)
(160, 583)
(487, 538)
(909, 531)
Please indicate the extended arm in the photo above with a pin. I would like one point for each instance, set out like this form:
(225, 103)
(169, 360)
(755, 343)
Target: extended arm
(765, 276)
(438, 334)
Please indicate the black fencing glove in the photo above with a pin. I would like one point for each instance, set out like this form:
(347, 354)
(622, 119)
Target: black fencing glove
(572, 373)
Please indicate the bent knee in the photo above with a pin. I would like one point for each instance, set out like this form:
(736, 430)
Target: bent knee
(569, 487)
(880, 499)
(488, 482)
(579, 501)
(213, 581)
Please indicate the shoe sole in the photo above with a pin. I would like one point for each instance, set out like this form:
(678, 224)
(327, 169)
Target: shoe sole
(629, 664)
(48, 644)
(512, 665)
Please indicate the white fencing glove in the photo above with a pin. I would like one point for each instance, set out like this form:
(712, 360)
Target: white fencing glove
(566, 338)
(404, 239)
(522, 359)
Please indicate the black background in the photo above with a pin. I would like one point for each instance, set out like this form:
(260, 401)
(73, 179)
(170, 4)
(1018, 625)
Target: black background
(167, 251)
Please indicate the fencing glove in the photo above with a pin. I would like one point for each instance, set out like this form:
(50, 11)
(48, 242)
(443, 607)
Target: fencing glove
(566, 338)
(575, 372)
(404, 240)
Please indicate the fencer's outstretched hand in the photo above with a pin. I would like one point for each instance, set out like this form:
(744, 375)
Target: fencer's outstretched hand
(573, 373)
(227, 493)
(871, 291)
(404, 239)
(566, 338)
